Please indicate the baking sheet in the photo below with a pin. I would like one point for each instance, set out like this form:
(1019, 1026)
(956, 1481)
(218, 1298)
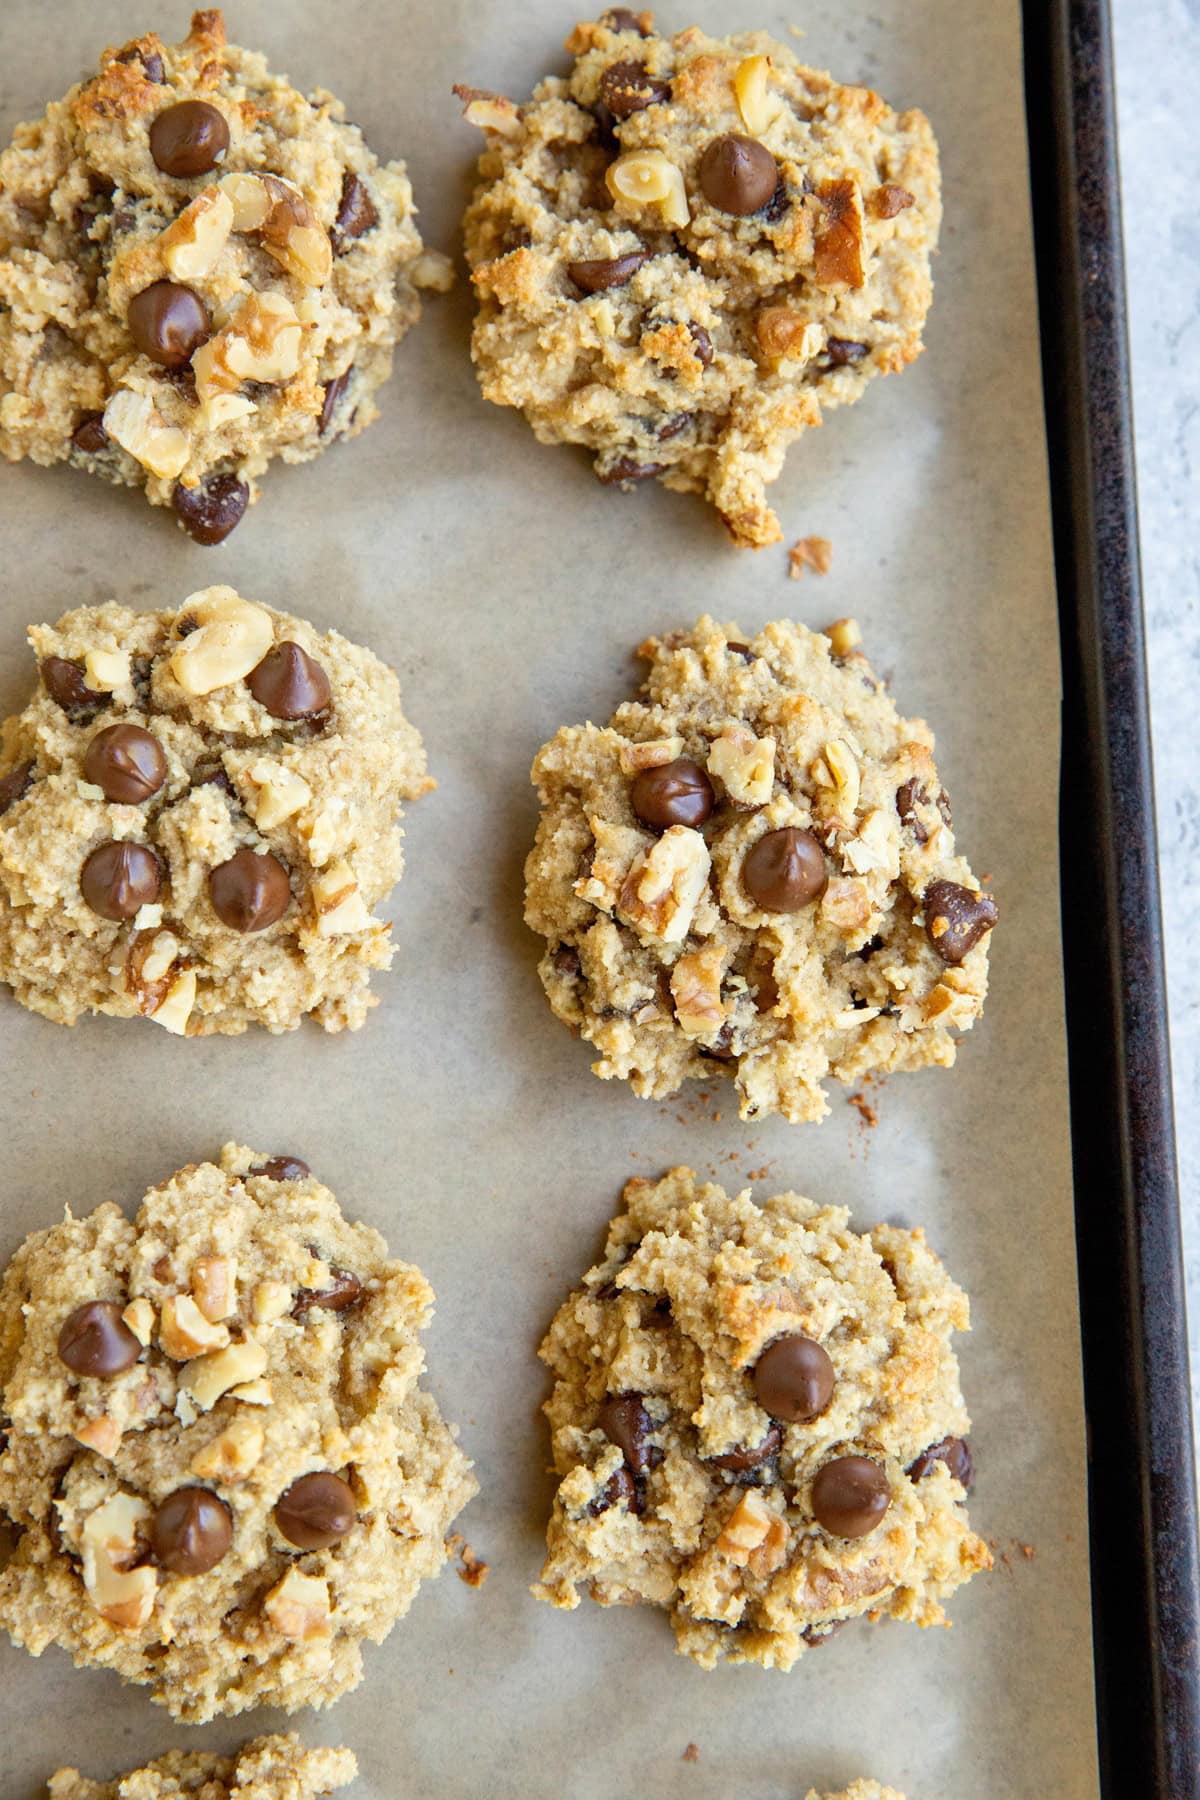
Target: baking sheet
(508, 588)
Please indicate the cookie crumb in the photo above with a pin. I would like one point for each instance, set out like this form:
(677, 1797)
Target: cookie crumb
(864, 1109)
(815, 553)
(691, 1753)
(471, 1568)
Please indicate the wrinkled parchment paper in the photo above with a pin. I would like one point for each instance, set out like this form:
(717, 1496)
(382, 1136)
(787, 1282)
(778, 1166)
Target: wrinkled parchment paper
(508, 588)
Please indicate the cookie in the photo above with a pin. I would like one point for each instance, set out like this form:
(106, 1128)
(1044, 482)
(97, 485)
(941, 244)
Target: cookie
(859, 1790)
(221, 1471)
(751, 872)
(197, 817)
(201, 270)
(268, 1768)
(757, 1424)
(689, 248)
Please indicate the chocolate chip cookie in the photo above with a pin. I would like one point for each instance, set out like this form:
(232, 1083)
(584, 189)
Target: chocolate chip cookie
(751, 872)
(757, 1424)
(201, 270)
(221, 1472)
(689, 248)
(268, 1768)
(197, 817)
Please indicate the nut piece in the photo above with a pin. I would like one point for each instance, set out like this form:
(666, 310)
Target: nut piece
(757, 103)
(847, 905)
(783, 336)
(837, 768)
(632, 758)
(133, 421)
(292, 235)
(104, 671)
(214, 1284)
(232, 637)
(253, 1393)
(114, 1536)
(663, 888)
(175, 1008)
(838, 235)
(139, 1316)
(232, 1454)
(192, 244)
(618, 847)
(491, 112)
(281, 793)
(696, 986)
(272, 1299)
(338, 903)
(164, 948)
(103, 1435)
(745, 764)
(844, 636)
(248, 198)
(260, 343)
(184, 1332)
(206, 1379)
(648, 178)
(876, 845)
(752, 1532)
(298, 1607)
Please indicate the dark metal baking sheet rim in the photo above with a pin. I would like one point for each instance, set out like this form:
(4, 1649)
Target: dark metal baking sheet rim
(1141, 1473)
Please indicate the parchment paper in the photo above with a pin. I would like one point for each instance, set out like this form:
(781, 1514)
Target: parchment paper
(508, 588)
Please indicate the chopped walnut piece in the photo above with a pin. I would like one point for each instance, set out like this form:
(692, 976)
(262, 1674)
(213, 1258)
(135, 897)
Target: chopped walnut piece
(696, 988)
(648, 178)
(233, 1453)
(281, 793)
(260, 343)
(298, 1607)
(139, 1316)
(214, 1284)
(134, 422)
(337, 902)
(664, 886)
(891, 199)
(846, 904)
(744, 764)
(103, 1435)
(184, 1332)
(838, 783)
(838, 237)
(226, 638)
(114, 1537)
(206, 1379)
(104, 671)
(272, 1299)
(192, 243)
(618, 847)
(175, 1008)
(753, 1532)
(815, 553)
(634, 757)
(783, 336)
(292, 234)
(757, 103)
(845, 635)
(491, 112)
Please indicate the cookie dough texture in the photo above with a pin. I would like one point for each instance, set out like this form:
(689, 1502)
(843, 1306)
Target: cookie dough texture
(859, 1790)
(656, 952)
(320, 794)
(728, 334)
(269, 1768)
(693, 1287)
(278, 1339)
(299, 340)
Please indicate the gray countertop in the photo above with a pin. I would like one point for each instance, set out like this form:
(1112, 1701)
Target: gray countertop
(1158, 70)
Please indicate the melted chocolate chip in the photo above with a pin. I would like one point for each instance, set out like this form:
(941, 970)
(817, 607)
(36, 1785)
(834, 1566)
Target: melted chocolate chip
(840, 351)
(333, 393)
(674, 793)
(673, 426)
(850, 1495)
(628, 87)
(14, 785)
(316, 1510)
(955, 1453)
(721, 1049)
(126, 763)
(151, 61)
(345, 1290)
(624, 470)
(189, 138)
(567, 963)
(250, 891)
(778, 204)
(282, 1168)
(89, 436)
(620, 1488)
(740, 1458)
(956, 918)
(793, 1379)
(167, 322)
(703, 343)
(597, 274)
(210, 510)
(626, 1423)
(289, 683)
(909, 795)
(356, 213)
(118, 879)
(738, 174)
(191, 1531)
(64, 681)
(94, 1340)
(784, 870)
(619, 18)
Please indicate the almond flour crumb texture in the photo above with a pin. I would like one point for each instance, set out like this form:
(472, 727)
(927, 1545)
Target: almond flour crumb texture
(200, 270)
(197, 817)
(757, 1424)
(268, 1768)
(751, 872)
(688, 248)
(221, 1472)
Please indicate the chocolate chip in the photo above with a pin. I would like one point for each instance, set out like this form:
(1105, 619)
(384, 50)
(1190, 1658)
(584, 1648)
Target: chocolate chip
(167, 321)
(333, 392)
(628, 87)
(909, 795)
(94, 1340)
(567, 963)
(793, 1379)
(954, 1452)
(626, 1423)
(841, 351)
(126, 762)
(943, 805)
(207, 775)
(189, 138)
(151, 61)
(721, 1049)
(956, 918)
(738, 649)
(624, 469)
(183, 380)
(673, 425)
(212, 509)
(599, 273)
(89, 435)
(784, 870)
(778, 204)
(289, 683)
(737, 174)
(63, 681)
(674, 793)
(345, 1290)
(282, 1168)
(316, 1510)
(619, 1487)
(741, 1458)
(191, 1531)
(850, 1495)
(356, 213)
(619, 18)
(250, 891)
(14, 785)
(117, 880)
